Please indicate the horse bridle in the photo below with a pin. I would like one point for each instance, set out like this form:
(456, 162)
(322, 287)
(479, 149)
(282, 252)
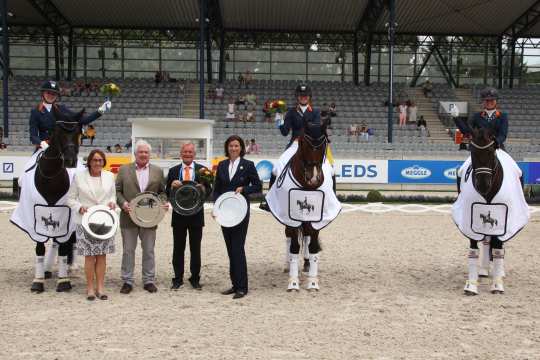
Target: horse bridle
(60, 156)
(485, 170)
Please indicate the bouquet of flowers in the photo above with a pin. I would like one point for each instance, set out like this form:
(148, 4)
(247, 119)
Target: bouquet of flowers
(206, 175)
(278, 106)
(109, 90)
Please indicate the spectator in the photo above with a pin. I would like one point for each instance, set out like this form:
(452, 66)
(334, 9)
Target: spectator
(231, 112)
(412, 109)
(117, 148)
(241, 100)
(211, 93)
(158, 77)
(427, 88)
(248, 78)
(241, 80)
(253, 147)
(78, 88)
(90, 133)
(422, 126)
(353, 130)
(220, 93)
(364, 131)
(65, 89)
(402, 114)
(109, 150)
(266, 110)
(251, 99)
(129, 145)
(333, 110)
(250, 115)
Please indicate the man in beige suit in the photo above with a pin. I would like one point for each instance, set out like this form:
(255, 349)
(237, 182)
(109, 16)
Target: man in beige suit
(133, 179)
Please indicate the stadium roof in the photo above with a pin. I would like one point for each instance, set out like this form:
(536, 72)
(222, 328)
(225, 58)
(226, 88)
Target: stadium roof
(422, 17)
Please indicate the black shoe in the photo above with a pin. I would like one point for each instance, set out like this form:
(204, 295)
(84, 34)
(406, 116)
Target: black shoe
(126, 288)
(239, 295)
(37, 287)
(228, 291)
(195, 284)
(63, 285)
(176, 284)
(151, 288)
(264, 206)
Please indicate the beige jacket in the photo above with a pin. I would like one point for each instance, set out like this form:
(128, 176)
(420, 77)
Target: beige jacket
(82, 192)
(127, 187)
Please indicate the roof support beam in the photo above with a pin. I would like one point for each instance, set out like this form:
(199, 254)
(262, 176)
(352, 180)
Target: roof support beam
(52, 15)
(444, 67)
(525, 22)
(422, 67)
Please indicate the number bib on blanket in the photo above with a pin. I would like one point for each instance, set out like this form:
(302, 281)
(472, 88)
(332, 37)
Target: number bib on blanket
(489, 219)
(306, 205)
(52, 221)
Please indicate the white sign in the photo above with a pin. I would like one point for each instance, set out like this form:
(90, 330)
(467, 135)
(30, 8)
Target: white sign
(12, 166)
(361, 171)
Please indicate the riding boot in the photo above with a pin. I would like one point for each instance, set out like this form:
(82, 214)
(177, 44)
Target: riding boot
(307, 240)
(50, 256)
(484, 260)
(264, 205)
(39, 276)
(287, 253)
(471, 286)
(313, 280)
(293, 273)
(497, 286)
(63, 283)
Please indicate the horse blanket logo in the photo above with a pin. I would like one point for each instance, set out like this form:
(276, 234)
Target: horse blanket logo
(507, 213)
(35, 217)
(305, 205)
(489, 219)
(292, 205)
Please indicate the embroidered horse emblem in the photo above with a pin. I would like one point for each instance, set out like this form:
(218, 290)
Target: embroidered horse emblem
(487, 219)
(148, 203)
(49, 221)
(304, 205)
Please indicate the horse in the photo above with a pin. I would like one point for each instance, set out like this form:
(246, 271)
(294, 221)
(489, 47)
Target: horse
(52, 181)
(48, 221)
(487, 219)
(487, 177)
(305, 168)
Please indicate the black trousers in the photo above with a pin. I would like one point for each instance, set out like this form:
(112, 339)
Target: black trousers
(235, 239)
(179, 246)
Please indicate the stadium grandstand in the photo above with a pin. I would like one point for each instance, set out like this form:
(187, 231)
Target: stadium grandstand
(366, 56)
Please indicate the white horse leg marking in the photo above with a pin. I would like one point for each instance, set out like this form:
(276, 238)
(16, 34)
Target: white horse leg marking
(50, 256)
(313, 280)
(287, 253)
(293, 273)
(471, 285)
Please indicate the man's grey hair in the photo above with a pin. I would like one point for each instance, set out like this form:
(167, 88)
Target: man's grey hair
(140, 143)
(189, 143)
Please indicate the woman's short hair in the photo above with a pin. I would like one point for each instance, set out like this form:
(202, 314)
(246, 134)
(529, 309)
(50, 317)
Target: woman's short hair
(239, 139)
(91, 156)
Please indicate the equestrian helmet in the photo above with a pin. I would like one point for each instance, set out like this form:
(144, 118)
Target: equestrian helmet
(51, 86)
(302, 90)
(489, 93)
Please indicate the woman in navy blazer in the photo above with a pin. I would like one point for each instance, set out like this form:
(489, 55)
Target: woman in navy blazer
(239, 175)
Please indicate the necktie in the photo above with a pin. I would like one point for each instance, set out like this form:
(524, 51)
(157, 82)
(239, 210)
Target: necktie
(187, 176)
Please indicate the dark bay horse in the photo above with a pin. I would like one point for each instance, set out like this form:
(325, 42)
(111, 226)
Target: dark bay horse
(52, 181)
(487, 177)
(306, 168)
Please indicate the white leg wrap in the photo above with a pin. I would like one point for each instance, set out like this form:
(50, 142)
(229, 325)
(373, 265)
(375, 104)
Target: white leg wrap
(40, 269)
(287, 249)
(471, 286)
(62, 267)
(50, 255)
(307, 240)
(313, 265)
(293, 265)
(484, 259)
(498, 263)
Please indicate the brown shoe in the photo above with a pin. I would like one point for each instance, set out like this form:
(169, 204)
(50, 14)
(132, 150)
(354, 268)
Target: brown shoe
(126, 288)
(151, 288)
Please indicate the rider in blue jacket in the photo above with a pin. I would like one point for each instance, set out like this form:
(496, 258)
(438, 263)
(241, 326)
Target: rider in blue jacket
(42, 121)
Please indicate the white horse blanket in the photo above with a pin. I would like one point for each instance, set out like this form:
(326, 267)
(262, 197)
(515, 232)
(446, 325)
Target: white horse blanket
(291, 205)
(35, 217)
(507, 213)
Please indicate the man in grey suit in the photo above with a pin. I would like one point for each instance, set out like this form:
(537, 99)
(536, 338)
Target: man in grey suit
(133, 179)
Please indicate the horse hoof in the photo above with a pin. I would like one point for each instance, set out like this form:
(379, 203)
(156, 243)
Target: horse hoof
(63, 285)
(37, 287)
(313, 284)
(471, 288)
(48, 274)
(497, 287)
(293, 285)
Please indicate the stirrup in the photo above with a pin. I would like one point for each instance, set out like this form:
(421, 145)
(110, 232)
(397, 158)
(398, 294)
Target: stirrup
(471, 287)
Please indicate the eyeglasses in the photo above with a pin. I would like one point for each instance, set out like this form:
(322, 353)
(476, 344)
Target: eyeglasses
(98, 160)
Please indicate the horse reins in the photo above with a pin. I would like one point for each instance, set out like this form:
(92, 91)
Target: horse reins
(485, 170)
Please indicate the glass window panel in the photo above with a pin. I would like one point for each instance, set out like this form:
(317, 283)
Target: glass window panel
(284, 56)
(251, 55)
(288, 68)
(141, 65)
(170, 65)
(178, 54)
(141, 53)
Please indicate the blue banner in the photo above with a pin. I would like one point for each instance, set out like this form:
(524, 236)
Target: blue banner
(534, 173)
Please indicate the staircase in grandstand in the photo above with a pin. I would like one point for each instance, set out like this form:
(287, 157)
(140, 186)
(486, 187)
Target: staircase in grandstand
(428, 107)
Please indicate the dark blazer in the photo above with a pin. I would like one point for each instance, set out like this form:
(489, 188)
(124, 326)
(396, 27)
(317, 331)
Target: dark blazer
(499, 124)
(42, 122)
(294, 121)
(245, 176)
(191, 220)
